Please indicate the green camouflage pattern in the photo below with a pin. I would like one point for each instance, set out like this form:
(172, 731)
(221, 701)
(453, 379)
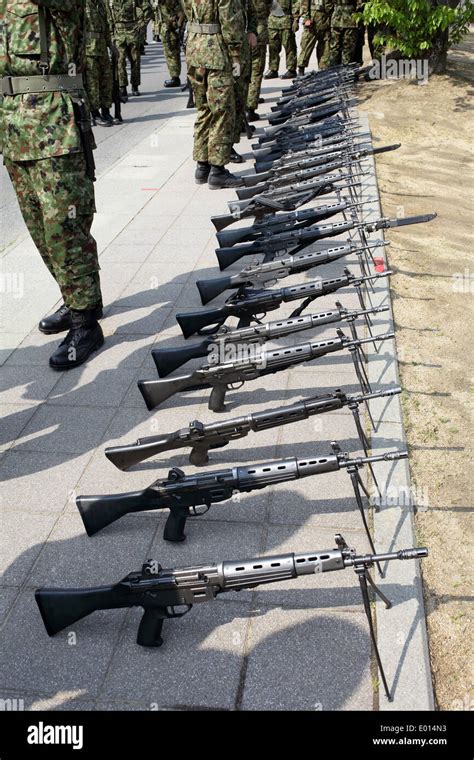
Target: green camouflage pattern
(215, 51)
(214, 125)
(98, 76)
(319, 11)
(291, 11)
(259, 55)
(318, 34)
(343, 46)
(125, 17)
(343, 14)
(165, 24)
(241, 85)
(279, 38)
(40, 125)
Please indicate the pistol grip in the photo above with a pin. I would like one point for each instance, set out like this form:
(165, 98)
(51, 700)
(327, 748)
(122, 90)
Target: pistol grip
(217, 398)
(175, 524)
(149, 631)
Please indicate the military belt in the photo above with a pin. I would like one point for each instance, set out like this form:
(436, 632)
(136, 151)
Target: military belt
(204, 28)
(36, 84)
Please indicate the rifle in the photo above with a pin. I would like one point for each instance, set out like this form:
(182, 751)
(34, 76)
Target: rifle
(285, 133)
(273, 268)
(169, 359)
(204, 437)
(311, 147)
(276, 222)
(316, 115)
(250, 305)
(288, 164)
(254, 364)
(300, 238)
(165, 594)
(307, 104)
(183, 494)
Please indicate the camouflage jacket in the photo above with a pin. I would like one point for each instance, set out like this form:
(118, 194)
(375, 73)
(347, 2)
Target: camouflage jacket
(291, 10)
(215, 51)
(145, 13)
(165, 11)
(97, 31)
(343, 14)
(38, 126)
(319, 11)
(124, 15)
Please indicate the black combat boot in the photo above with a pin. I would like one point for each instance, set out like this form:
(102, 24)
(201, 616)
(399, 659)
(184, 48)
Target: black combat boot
(100, 120)
(107, 116)
(300, 71)
(136, 91)
(156, 38)
(202, 172)
(220, 178)
(251, 127)
(252, 115)
(261, 100)
(60, 321)
(123, 94)
(84, 337)
(173, 82)
(290, 74)
(271, 74)
(235, 157)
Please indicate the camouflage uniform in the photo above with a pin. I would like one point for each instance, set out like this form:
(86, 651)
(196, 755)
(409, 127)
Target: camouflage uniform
(259, 54)
(319, 33)
(145, 15)
(42, 146)
(344, 32)
(280, 33)
(165, 26)
(124, 18)
(241, 84)
(215, 32)
(98, 69)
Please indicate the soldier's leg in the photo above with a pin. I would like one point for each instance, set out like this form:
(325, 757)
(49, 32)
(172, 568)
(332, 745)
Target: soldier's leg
(335, 47)
(23, 181)
(202, 124)
(349, 46)
(93, 81)
(322, 50)
(241, 87)
(221, 101)
(66, 197)
(289, 43)
(106, 82)
(135, 63)
(274, 48)
(359, 48)
(256, 77)
(121, 45)
(171, 50)
(308, 42)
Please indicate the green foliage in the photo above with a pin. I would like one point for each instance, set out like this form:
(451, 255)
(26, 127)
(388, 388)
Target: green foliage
(412, 26)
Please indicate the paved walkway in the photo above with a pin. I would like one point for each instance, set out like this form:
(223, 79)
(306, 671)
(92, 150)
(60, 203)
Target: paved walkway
(300, 645)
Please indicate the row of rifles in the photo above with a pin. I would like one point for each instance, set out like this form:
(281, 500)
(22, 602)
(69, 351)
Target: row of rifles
(314, 151)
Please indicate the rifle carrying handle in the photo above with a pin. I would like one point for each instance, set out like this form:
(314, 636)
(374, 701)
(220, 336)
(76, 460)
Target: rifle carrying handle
(149, 631)
(175, 524)
(217, 398)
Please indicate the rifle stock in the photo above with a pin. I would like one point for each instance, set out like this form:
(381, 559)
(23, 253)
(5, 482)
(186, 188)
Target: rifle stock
(193, 322)
(210, 289)
(124, 457)
(155, 392)
(168, 359)
(98, 512)
(61, 608)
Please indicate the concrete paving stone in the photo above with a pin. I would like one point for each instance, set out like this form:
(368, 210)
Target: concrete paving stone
(123, 351)
(325, 591)
(283, 672)
(7, 598)
(137, 320)
(150, 290)
(123, 706)
(26, 384)
(34, 350)
(63, 700)
(197, 666)
(157, 223)
(21, 541)
(96, 386)
(163, 204)
(34, 481)
(124, 254)
(71, 559)
(75, 660)
(66, 429)
(139, 236)
(10, 342)
(196, 222)
(14, 419)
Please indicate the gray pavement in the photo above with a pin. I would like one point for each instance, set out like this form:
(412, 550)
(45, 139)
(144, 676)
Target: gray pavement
(299, 645)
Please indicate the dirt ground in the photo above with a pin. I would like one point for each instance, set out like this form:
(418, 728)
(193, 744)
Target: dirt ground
(433, 297)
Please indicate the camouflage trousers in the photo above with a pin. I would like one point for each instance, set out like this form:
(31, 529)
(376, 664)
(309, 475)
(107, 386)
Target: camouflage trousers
(311, 37)
(57, 202)
(343, 46)
(98, 81)
(277, 39)
(257, 69)
(129, 50)
(214, 125)
(241, 88)
(170, 39)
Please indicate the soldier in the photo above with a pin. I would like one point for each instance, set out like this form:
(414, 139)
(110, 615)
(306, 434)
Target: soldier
(283, 22)
(258, 58)
(213, 49)
(344, 32)
(241, 85)
(47, 149)
(124, 18)
(98, 69)
(145, 14)
(316, 32)
(168, 19)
